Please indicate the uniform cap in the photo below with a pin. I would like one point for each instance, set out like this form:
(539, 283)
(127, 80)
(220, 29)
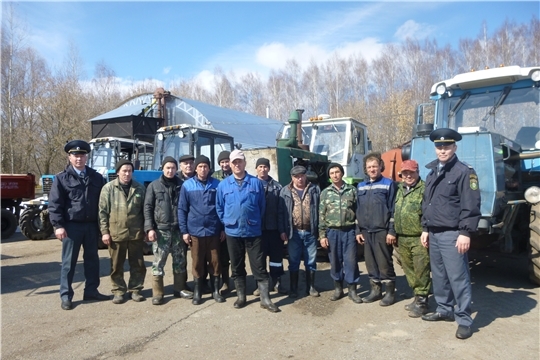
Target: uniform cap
(77, 147)
(444, 136)
(236, 154)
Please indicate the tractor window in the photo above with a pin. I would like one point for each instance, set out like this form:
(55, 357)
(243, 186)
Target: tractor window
(330, 141)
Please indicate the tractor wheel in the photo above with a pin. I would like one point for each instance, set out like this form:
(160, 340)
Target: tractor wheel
(34, 225)
(534, 245)
(9, 223)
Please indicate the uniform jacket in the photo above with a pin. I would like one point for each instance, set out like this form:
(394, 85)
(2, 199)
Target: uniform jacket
(376, 205)
(337, 208)
(408, 209)
(271, 192)
(120, 216)
(220, 175)
(285, 217)
(160, 207)
(197, 214)
(241, 208)
(71, 199)
(449, 200)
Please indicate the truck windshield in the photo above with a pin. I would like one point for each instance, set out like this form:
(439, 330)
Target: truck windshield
(330, 140)
(170, 145)
(512, 113)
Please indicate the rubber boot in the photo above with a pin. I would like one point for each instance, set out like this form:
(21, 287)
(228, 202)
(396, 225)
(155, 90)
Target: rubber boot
(338, 290)
(420, 308)
(157, 290)
(410, 306)
(197, 291)
(293, 291)
(256, 292)
(240, 284)
(375, 294)
(266, 303)
(180, 289)
(389, 295)
(353, 295)
(310, 284)
(278, 286)
(225, 279)
(215, 294)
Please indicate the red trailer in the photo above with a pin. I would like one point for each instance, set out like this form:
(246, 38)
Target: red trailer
(15, 188)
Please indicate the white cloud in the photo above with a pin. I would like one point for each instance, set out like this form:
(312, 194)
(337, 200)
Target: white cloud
(167, 70)
(413, 30)
(206, 79)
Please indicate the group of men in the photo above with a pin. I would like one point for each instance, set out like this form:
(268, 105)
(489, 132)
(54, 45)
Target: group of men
(225, 215)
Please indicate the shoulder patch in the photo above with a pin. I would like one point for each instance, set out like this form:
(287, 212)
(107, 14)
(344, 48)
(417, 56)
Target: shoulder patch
(473, 180)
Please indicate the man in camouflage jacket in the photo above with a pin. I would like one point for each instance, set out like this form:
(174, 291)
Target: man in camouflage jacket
(408, 227)
(337, 232)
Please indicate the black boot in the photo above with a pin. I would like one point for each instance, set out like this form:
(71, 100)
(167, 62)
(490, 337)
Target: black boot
(310, 284)
(266, 303)
(338, 291)
(293, 293)
(410, 306)
(389, 295)
(375, 294)
(256, 292)
(225, 279)
(277, 286)
(180, 286)
(353, 295)
(420, 308)
(215, 289)
(197, 291)
(240, 284)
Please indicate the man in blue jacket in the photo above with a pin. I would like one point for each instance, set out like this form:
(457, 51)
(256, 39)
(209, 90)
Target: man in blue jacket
(240, 205)
(374, 214)
(201, 227)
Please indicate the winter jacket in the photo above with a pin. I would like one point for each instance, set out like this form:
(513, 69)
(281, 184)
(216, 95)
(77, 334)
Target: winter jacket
(161, 205)
(408, 209)
(271, 192)
(197, 214)
(71, 199)
(241, 207)
(285, 218)
(337, 208)
(120, 216)
(375, 205)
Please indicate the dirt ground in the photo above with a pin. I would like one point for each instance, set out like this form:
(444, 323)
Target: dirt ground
(505, 310)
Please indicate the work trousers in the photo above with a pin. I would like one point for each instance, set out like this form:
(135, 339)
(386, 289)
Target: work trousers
(273, 248)
(85, 235)
(238, 247)
(451, 277)
(205, 250)
(378, 257)
(415, 262)
(169, 242)
(137, 269)
(342, 255)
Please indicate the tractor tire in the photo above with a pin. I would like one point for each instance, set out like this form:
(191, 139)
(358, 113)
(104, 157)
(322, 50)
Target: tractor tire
(9, 223)
(33, 227)
(534, 245)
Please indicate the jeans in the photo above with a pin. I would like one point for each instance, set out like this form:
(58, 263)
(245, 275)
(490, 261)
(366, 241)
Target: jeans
(302, 243)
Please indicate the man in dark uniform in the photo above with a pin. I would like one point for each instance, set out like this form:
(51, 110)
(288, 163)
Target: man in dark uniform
(451, 211)
(73, 211)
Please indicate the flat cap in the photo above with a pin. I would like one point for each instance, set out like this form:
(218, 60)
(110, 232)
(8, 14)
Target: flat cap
(77, 147)
(298, 170)
(186, 158)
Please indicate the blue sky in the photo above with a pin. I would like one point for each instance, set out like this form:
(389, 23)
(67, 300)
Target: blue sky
(174, 39)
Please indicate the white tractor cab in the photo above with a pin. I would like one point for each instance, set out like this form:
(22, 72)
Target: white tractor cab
(343, 140)
(106, 151)
(186, 139)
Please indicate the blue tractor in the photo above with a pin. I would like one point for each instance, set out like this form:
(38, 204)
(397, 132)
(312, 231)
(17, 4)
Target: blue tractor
(498, 114)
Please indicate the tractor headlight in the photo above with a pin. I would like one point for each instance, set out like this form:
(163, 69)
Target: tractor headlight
(535, 76)
(441, 89)
(532, 195)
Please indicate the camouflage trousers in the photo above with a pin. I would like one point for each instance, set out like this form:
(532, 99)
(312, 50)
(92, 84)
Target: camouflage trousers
(169, 242)
(415, 263)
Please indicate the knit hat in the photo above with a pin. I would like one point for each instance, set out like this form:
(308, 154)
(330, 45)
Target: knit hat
(262, 161)
(201, 159)
(169, 159)
(121, 163)
(335, 165)
(224, 155)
